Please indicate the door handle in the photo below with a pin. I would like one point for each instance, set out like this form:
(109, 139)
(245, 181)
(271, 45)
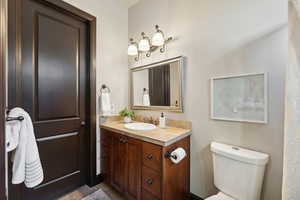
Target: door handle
(82, 123)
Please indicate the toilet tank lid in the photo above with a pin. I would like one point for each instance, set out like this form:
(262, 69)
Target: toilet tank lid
(240, 154)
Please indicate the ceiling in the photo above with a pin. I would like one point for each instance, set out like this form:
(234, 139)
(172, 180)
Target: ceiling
(130, 3)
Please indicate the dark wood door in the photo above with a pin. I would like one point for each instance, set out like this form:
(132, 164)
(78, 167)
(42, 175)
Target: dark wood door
(159, 85)
(134, 166)
(119, 158)
(53, 82)
(3, 49)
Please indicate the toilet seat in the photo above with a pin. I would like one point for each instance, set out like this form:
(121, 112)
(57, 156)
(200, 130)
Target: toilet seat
(220, 196)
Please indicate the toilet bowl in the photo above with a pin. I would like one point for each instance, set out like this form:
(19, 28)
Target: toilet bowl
(220, 196)
(238, 172)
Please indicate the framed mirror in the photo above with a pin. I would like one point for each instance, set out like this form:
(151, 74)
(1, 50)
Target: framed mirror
(158, 86)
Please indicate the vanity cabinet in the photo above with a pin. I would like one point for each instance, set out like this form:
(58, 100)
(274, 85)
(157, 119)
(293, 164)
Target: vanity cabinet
(141, 171)
(121, 163)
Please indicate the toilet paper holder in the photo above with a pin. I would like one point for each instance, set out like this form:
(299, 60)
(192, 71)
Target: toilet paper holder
(169, 152)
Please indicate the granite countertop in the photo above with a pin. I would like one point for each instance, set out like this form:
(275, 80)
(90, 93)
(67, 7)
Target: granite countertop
(159, 136)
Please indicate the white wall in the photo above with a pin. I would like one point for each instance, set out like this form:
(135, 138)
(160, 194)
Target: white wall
(112, 41)
(223, 37)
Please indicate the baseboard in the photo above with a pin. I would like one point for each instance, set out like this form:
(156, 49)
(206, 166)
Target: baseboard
(194, 197)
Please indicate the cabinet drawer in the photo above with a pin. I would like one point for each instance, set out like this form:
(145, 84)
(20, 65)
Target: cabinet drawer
(152, 156)
(151, 181)
(148, 196)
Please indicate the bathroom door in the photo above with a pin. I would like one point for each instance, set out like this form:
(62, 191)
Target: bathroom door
(159, 85)
(51, 85)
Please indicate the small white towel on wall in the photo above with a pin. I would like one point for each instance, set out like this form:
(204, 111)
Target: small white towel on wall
(146, 100)
(106, 106)
(27, 165)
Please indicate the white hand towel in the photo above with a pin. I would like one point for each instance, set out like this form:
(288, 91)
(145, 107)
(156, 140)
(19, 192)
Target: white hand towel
(146, 100)
(12, 130)
(27, 166)
(106, 104)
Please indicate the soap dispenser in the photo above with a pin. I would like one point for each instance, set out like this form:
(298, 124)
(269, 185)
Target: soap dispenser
(162, 121)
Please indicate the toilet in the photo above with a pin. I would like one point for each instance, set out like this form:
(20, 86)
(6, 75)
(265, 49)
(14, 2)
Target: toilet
(238, 172)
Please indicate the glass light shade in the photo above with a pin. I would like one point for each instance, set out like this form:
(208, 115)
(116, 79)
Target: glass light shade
(144, 45)
(158, 39)
(132, 50)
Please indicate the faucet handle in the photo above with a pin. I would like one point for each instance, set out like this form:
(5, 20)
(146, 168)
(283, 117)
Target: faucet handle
(145, 119)
(151, 120)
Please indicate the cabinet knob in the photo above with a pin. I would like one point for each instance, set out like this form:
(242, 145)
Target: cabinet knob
(123, 140)
(149, 181)
(149, 156)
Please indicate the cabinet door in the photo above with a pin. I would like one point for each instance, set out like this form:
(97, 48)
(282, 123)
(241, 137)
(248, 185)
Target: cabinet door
(119, 153)
(134, 166)
(106, 155)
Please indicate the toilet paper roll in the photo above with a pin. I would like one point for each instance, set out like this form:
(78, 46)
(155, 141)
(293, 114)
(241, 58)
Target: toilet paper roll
(178, 155)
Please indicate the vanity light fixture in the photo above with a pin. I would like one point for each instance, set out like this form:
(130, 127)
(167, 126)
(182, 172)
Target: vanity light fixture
(146, 46)
(132, 48)
(158, 38)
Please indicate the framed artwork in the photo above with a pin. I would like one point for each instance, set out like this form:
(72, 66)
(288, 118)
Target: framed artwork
(242, 98)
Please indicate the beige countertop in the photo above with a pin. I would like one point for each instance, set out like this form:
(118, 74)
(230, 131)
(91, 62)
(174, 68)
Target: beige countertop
(159, 136)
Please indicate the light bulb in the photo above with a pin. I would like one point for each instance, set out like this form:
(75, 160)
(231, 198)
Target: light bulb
(132, 50)
(144, 45)
(158, 39)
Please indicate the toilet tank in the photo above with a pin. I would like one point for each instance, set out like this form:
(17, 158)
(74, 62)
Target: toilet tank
(238, 172)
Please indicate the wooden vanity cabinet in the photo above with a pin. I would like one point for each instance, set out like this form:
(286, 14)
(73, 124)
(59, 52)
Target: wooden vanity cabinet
(139, 169)
(121, 163)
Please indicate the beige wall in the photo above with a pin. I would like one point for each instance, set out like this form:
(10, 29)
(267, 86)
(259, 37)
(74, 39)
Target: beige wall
(223, 37)
(112, 41)
(291, 176)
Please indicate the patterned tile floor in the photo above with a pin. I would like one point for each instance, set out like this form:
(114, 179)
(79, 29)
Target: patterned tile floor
(84, 191)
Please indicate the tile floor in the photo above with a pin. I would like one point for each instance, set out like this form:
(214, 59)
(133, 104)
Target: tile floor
(85, 191)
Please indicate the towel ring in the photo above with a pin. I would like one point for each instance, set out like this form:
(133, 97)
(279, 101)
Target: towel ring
(104, 89)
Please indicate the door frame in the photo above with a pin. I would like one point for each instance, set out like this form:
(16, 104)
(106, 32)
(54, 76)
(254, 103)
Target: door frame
(15, 68)
(3, 62)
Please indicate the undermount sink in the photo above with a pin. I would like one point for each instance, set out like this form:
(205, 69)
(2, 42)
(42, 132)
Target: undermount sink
(140, 126)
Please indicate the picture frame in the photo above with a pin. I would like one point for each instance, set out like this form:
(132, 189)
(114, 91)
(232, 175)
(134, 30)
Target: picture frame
(240, 98)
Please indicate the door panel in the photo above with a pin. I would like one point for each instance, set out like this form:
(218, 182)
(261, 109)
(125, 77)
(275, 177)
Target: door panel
(57, 63)
(53, 77)
(66, 157)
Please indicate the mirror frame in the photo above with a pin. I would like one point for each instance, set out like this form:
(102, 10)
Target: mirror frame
(152, 65)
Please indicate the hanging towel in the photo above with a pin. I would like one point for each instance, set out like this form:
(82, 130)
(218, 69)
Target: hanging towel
(27, 166)
(106, 104)
(146, 100)
(12, 130)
